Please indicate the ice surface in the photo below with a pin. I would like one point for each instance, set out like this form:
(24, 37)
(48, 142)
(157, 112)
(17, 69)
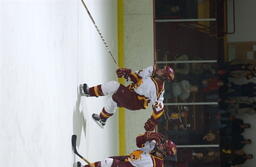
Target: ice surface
(48, 47)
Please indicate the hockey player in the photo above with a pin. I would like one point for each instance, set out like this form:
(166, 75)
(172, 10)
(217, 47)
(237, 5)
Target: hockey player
(153, 148)
(147, 87)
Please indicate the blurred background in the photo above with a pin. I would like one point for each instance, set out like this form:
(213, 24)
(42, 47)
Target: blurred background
(210, 105)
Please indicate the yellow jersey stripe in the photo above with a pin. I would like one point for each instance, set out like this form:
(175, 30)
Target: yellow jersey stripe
(96, 91)
(157, 115)
(105, 115)
(144, 99)
(158, 92)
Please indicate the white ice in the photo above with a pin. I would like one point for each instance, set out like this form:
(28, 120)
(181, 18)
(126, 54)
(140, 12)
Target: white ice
(47, 48)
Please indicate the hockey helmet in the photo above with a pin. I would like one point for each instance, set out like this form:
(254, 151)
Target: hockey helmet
(169, 73)
(167, 147)
(170, 147)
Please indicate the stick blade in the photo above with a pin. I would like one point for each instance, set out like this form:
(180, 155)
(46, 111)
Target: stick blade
(73, 142)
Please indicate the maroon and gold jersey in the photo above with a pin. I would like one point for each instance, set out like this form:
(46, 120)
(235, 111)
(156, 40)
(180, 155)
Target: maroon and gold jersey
(143, 157)
(145, 89)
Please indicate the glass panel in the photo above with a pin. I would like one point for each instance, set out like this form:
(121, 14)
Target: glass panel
(184, 9)
(196, 157)
(191, 125)
(195, 82)
(186, 41)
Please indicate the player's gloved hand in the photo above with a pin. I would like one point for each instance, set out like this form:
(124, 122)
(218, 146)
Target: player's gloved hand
(153, 136)
(150, 124)
(123, 72)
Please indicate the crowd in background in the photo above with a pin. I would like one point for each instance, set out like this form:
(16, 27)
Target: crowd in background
(233, 86)
(236, 96)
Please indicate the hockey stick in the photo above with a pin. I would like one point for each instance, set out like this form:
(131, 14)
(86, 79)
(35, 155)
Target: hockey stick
(73, 142)
(98, 30)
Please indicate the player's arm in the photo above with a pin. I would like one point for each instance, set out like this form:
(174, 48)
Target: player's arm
(127, 73)
(147, 72)
(148, 137)
(135, 77)
(158, 110)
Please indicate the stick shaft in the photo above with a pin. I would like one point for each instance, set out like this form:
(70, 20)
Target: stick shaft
(98, 30)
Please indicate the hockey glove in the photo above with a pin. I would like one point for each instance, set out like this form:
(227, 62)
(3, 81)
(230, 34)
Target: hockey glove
(150, 124)
(123, 72)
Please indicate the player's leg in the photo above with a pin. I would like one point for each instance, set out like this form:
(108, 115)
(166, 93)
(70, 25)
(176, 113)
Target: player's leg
(95, 164)
(99, 90)
(105, 163)
(110, 162)
(107, 112)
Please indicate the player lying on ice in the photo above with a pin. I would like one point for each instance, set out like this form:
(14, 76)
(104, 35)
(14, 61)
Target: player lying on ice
(153, 148)
(147, 87)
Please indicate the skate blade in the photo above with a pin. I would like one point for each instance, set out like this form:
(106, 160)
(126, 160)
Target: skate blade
(98, 123)
(81, 91)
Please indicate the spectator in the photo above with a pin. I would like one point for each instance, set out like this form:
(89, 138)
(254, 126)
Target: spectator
(183, 89)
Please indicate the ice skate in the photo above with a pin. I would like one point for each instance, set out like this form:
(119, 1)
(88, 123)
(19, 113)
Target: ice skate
(98, 120)
(83, 90)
